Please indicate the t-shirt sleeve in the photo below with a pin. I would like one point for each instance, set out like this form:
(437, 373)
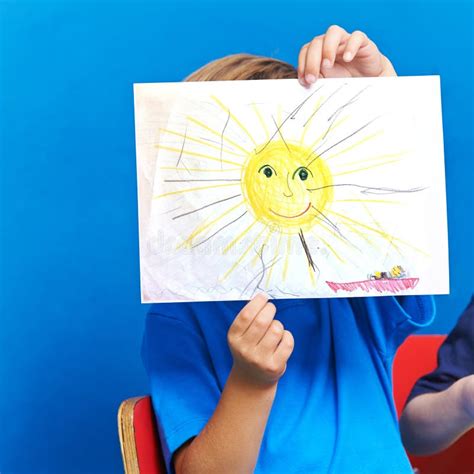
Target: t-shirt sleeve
(393, 318)
(183, 385)
(455, 357)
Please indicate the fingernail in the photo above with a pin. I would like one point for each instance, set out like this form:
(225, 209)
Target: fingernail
(310, 78)
(326, 63)
(301, 80)
(347, 56)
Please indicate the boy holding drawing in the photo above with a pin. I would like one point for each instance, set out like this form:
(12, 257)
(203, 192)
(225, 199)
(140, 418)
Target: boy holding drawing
(306, 384)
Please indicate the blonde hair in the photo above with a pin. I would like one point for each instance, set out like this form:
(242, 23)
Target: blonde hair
(243, 66)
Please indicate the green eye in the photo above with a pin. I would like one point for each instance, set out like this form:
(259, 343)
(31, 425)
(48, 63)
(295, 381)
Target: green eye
(267, 170)
(303, 174)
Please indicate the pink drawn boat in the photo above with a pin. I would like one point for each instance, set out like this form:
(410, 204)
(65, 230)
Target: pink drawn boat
(391, 285)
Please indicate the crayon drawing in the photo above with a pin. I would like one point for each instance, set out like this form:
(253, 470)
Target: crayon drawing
(250, 186)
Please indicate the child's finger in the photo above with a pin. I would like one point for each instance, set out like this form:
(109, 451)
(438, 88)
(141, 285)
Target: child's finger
(301, 62)
(259, 325)
(334, 36)
(270, 340)
(285, 348)
(247, 314)
(357, 40)
(313, 60)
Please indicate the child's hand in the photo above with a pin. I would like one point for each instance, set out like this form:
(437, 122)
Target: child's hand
(340, 54)
(260, 345)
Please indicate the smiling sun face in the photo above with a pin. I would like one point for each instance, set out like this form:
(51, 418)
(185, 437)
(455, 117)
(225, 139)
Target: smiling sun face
(282, 190)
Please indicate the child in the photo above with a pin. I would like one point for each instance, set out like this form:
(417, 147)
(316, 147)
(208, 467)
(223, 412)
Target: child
(440, 408)
(309, 392)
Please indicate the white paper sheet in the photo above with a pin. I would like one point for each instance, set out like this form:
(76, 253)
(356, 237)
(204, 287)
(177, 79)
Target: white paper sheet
(333, 191)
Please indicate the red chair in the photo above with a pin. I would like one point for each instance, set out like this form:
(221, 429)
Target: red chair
(139, 440)
(141, 449)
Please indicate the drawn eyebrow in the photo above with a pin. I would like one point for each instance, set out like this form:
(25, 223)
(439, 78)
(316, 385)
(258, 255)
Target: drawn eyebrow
(269, 166)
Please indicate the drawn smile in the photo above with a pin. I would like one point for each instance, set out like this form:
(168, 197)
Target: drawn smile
(291, 217)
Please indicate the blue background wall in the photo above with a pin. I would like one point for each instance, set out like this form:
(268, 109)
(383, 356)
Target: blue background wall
(70, 315)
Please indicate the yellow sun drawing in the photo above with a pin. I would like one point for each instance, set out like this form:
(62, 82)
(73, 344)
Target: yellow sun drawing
(276, 182)
(285, 188)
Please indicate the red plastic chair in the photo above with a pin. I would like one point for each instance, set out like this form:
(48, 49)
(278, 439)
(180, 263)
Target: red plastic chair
(141, 449)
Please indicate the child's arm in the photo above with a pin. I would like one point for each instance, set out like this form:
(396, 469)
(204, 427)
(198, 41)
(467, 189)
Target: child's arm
(230, 441)
(340, 54)
(433, 421)
(440, 406)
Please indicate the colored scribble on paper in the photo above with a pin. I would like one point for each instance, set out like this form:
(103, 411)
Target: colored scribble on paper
(286, 195)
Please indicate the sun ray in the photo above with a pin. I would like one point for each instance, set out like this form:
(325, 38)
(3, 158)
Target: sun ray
(234, 118)
(321, 136)
(198, 140)
(374, 158)
(277, 251)
(326, 219)
(353, 229)
(315, 110)
(289, 116)
(219, 134)
(262, 122)
(239, 237)
(287, 256)
(198, 155)
(346, 242)
(332, 250)
(307, 251)
(377, 201)
(377, 223)
(242, 256)
(227, 224)
(325, 226)
(384, 235)
(361, 234)
(213, 203)
(357, 170)
(200, 188)
(356, 144)
(202, 227)
(311, 275)
(332, 94)
(265, 242)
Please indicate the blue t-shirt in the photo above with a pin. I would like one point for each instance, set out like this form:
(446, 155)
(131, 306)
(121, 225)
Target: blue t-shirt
(333, 410)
